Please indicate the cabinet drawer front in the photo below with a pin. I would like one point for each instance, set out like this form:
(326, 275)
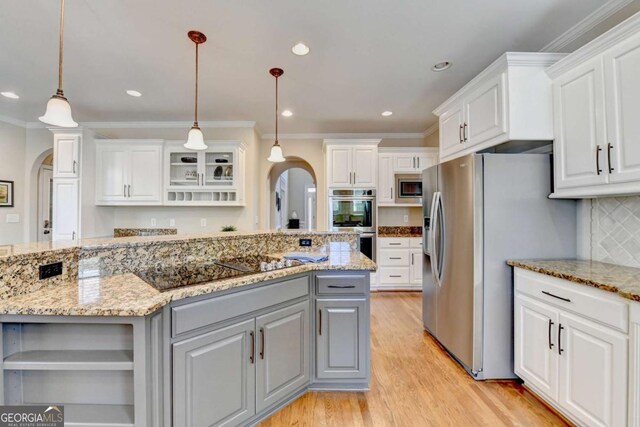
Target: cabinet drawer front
(188, 317)
(415, 242)
(393, 275)
(341, 284)
(592, 303)
(393, 242)
(394, 257)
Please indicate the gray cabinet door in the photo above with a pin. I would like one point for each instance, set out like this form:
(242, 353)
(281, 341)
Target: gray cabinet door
(214, 378)
(341, 335)
(282, 353)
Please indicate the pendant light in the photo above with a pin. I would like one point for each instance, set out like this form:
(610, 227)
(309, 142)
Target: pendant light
(58, 111)
(276, 150)
(195, 140)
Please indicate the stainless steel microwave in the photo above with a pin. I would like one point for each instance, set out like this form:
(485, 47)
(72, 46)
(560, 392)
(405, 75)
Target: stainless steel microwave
(408, 189)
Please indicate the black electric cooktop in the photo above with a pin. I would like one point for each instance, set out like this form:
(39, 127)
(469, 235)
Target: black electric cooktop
(167, 276)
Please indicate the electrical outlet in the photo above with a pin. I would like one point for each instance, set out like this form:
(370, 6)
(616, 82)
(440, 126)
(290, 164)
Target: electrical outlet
(406, 218)
(50, 270)
(257, 220)
(203, 222)
(153, 222)
(172, 222)
(305, 242)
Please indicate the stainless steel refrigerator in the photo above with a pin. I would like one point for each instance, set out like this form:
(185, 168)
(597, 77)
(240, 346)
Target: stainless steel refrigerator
(479, 211)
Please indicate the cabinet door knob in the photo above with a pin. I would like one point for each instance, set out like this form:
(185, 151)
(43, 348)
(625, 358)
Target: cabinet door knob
(609, 148)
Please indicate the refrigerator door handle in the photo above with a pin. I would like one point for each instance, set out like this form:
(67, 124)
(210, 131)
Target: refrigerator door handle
(435, 253)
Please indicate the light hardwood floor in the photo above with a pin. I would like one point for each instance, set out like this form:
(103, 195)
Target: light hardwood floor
(415, 383)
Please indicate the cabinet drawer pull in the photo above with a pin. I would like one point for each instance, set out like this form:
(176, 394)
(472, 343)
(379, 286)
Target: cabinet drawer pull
(129, 190)
(341, 286)
(598, 150)
(556, 296)
(412, 262)
(74, 166)
(261, 343)
(395, 257)
(609, 148)
(124, 190)
(560, 328)
(394, 244)
(550, 343)
(460, 134)
(320, 322)
(395, 275)
(252, 352)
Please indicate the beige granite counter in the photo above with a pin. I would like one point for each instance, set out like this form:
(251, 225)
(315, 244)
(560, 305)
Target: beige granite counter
(399, 231)
(154, 231)
(128, 295)
(622, 280)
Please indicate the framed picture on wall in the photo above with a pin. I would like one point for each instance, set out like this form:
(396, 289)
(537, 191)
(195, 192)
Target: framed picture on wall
(6, 194)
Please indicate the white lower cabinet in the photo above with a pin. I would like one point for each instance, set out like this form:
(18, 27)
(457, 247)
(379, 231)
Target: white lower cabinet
(570, 349)
(400, 262)
(66, 206)
(634, 365)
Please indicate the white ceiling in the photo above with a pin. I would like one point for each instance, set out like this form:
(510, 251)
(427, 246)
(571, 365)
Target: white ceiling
(366, 56)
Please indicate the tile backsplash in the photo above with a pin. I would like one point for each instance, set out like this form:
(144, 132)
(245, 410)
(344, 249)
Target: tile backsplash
(615, 230)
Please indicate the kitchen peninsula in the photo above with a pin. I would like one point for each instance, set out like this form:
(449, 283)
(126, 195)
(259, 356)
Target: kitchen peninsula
(115, 350)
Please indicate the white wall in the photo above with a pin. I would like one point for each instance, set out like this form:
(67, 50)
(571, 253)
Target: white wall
(12, 154)
(299, 179)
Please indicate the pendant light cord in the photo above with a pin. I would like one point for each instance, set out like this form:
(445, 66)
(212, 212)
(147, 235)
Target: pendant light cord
(276, 143)
(61, 48)
(195, 123)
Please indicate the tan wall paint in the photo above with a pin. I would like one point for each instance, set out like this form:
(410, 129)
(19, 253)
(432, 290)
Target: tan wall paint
(12, 147)
(432, 140)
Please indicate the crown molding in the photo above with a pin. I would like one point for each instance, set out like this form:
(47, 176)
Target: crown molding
(344, 136)
(12, 121)
(599, 45)
(155, 125)
(589, 23)
(431, 130)
(506, 60)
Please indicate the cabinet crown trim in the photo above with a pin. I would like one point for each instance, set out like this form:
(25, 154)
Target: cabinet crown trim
(351, 141)
(506, 60)
(395, 150)
(597, 46)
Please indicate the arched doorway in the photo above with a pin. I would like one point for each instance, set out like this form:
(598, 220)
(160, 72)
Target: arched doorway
(293, 201)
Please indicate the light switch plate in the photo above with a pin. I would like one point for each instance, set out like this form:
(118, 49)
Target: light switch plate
(203, 222)
(172, 222)
(406, 218)
(153, 222)
(13, 218)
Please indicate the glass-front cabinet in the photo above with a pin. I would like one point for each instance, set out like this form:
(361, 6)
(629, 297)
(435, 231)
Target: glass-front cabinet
(204, 178)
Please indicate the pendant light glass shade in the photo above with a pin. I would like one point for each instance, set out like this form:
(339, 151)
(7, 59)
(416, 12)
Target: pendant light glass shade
(58, 113)
(276, 151)
(276, 154)
(195, 140)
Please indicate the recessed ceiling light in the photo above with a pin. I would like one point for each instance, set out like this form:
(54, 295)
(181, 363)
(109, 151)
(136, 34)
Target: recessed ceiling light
(11, 95)
(441, 66)
(134, 93)
(387, 113)
(300, 49)
(287, 113)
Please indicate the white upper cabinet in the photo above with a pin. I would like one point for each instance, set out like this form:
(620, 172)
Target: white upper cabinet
(622, 71)
(66, 154)
(596, 96)
(129, 172)
(352, 163)
(212, 177)
(508, 101)
(580, 129)
(402, 161)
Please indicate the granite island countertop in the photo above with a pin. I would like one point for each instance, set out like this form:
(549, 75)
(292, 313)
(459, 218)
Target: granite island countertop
(128, 295)
(619, 279)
